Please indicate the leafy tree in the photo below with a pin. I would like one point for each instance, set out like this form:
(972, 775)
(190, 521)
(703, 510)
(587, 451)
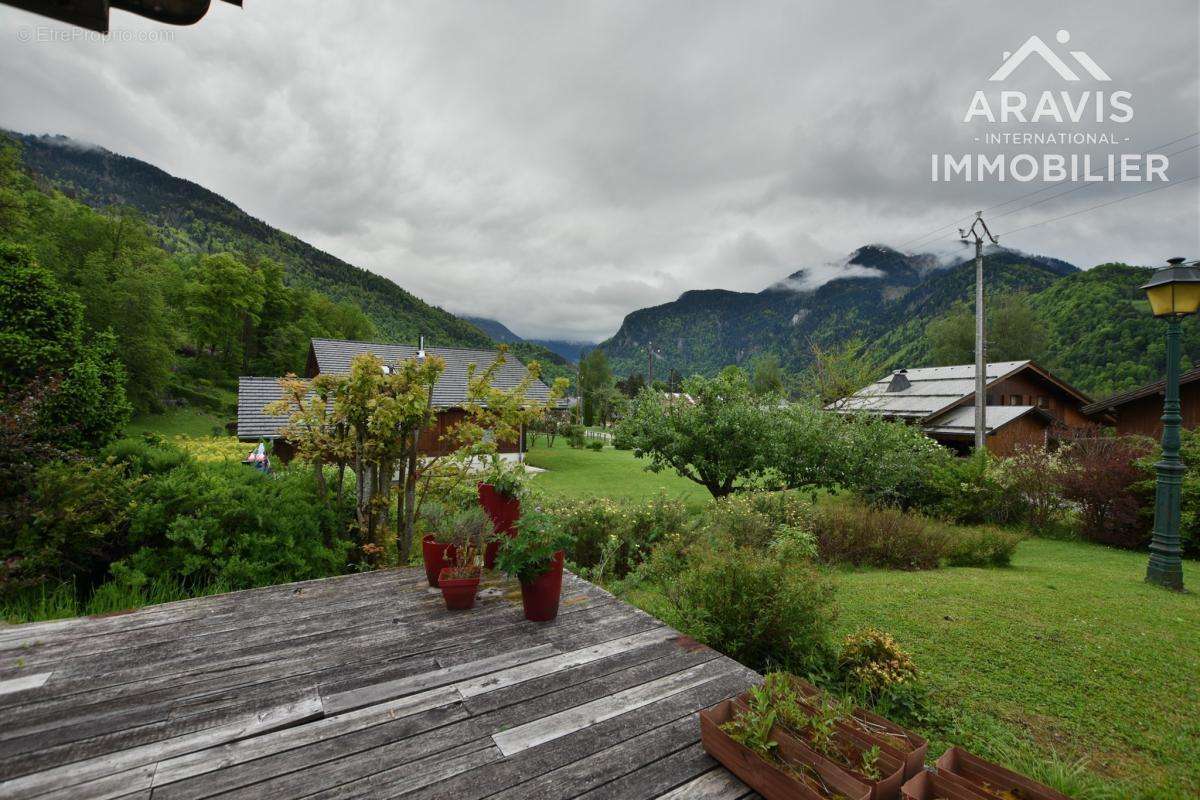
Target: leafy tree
(632, 385)
(596, 386)
(225, 298)
(839, 371)
(81, 394)
(1014, 332)
(767, 377)
(721, 439)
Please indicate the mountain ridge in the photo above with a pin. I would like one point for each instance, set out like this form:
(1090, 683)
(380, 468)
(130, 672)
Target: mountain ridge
(192, 218)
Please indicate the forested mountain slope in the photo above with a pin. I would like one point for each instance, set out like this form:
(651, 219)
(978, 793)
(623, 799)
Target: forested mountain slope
(190, 218)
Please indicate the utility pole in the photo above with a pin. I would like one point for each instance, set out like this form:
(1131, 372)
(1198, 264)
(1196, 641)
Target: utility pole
(650, 364)
(980, 328)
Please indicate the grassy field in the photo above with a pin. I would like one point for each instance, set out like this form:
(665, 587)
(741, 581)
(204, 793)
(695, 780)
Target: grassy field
(178, 422)
(606, 473)
(1066, 651)
(1064, 661)
(1065, 664)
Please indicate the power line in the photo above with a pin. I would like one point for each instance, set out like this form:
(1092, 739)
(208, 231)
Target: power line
(959, 222)
(1098, 205)
(1075, 189)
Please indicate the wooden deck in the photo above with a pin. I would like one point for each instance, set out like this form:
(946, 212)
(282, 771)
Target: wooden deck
(360, 686)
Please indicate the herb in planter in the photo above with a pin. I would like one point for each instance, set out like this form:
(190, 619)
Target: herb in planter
(818, 727)
(467, 531)
(531, 552)
(752, 728)
(507, 479)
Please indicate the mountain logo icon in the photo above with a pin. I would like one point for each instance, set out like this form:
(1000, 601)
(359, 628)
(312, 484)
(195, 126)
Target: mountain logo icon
(1034, 44)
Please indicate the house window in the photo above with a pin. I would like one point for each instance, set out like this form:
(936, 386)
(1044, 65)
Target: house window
(1043, 402)
(991, 399)
(1016, 400)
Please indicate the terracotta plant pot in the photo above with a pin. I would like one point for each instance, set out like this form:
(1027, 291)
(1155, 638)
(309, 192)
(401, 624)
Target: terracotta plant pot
(934, 786)
(503, 512)
(909, 747)
(540, 596)
(991, 779)
(437, 557)
(852, 746)
(768, 778)
(459, 593)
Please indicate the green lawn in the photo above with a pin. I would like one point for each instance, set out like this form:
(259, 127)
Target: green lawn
(184, 421)
(607, 473)
(1067, 650)
(1065, 655)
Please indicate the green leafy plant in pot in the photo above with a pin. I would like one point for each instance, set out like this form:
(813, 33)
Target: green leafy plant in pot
(469, 531)
(501, 488)
(535, 557)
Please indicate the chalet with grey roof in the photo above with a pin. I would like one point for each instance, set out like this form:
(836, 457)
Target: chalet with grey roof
(333, 356)
(1026, 404)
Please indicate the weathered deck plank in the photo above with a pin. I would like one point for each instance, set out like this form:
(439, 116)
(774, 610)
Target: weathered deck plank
(362, 685)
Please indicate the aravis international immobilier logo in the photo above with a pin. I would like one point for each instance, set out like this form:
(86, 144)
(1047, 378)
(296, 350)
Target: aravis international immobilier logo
(1055, 134)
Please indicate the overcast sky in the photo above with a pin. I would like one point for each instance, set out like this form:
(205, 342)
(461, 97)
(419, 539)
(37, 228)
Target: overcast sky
(558, 165)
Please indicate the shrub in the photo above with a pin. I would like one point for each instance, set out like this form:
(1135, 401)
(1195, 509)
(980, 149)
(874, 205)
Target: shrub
(753, 607)
(849, 533)
(977, 490)
(871, 664)
(753, 519)
(595, 445)
(1034, 473)
(206, 523)
(1103, 476)
(982, 546)
(612, 538)
(1189, 490)
(149, 455)
(575, 436)
(77, 523)
(892, 464)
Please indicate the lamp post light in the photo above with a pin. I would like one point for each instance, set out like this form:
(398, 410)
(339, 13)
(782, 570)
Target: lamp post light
(1174, 293)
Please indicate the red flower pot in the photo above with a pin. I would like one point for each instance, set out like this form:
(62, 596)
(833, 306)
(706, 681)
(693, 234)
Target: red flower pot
(459, 593)
(437, 557)
(503, 512)
(540, 596)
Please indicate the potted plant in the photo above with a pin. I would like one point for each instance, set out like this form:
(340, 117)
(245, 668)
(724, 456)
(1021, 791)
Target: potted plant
(890, 737)
(990, 779)
(535, 556)
(746, 739)
(500, 492)
(460, 581)
(821, 730)
(437, 546)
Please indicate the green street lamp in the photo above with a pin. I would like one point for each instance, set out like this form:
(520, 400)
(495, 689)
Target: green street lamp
(1174, 293)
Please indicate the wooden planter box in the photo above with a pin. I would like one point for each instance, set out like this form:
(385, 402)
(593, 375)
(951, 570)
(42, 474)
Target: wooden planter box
(939, 786)
(991, 779)
(771, 780)
(853, 745)
(893, 739)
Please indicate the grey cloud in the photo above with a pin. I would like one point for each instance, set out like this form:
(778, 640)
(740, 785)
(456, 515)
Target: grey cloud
(585, 159)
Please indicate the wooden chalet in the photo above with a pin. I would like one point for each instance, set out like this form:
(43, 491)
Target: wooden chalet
(1026, 404)
(1140, 410)
(333, 356)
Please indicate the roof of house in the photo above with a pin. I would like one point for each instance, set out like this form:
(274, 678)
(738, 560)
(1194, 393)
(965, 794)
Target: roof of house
(333, 356)
(929, 390)
(253, 395)
(1149, 390)
(918, 394)
(961, 419)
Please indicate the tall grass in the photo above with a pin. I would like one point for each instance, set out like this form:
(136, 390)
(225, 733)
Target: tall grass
(59, 601)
